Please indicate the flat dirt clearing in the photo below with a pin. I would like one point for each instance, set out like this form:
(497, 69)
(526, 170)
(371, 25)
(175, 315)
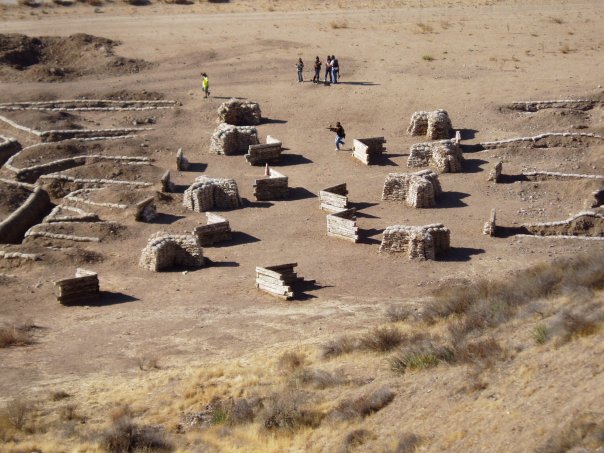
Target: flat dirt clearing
(468, 60)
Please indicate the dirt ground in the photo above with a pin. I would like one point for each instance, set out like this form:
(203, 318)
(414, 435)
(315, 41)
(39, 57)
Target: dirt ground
(470, 58)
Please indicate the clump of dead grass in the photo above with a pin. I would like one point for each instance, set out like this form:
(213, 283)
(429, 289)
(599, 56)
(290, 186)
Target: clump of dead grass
(381, 339)
(339, 346)
(316, 378)
(585, 431)
(355, 439)
(125, 436)
(16, 335)
(338, 24)
(290, 361)
(408, 443)
(423, 28)
(364, 405)
(289, 410)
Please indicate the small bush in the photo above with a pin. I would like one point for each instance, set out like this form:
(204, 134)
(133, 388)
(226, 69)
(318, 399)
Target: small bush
(556, 20)
(397, 313)
(428, 58)
(365, 405)
(424, 28)
(586, 430)
(69, 412)
(290, 361)
(339, 24)
(486, 350)
(124, 436)
(59, 395)
(423, 355)
(147, 362)
(575, 324)
(319, 379)
(288, 410)
(382, 339)
(18, 412)
(407, 443)
(541, 333)
(339, 346)
(356, 438)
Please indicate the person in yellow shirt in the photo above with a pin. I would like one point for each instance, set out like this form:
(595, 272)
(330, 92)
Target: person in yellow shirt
(205, 84)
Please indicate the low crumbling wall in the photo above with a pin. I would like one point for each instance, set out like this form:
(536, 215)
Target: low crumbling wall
(89, 105)
(533, 106)
(278, 280)
(495, 173)
(145, 210)
(166, 251)
(239, 112)
(228, 139)
(435, 125)
(63, 213)
(8, 148)
(536, 141)
(217, 230)
(547, 175)
(78, 290)
(30, 213)
(182, 164)
(419, 190)
(343, 225)
(588, 223)
(444, 155)
(208, 193)
(61, 185)
(275, 187)
(418, 242)
(334, 199)
(368, 150)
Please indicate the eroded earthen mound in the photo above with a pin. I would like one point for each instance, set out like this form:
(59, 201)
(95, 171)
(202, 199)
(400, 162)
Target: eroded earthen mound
(57, 58)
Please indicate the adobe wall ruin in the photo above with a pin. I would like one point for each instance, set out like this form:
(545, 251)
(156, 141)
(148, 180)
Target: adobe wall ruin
(533, 106)
(166, 251)
(8, 148)
(80, 289)
(444, 155)
(31, 212)
(418, 190)
(435, 125)
(217, 230)
(418, 242)
(587, 223)
(343, 225)
(239, 112)
(334, 199)
(262, 154)
(208, 193)
(228, 139)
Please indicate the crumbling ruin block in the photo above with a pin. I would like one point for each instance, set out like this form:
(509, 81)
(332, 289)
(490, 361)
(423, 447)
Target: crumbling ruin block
(418, 242)
(182, 164)
(82, 288)
(598, 198)
(228, 139)
(587, 223)
(8, 148)
(263, 154)
(166, 251)
(217, 230)
(275, 187)
(435, 125)
(334, 199)
(368, 150)
(207, 193)
(490, 227)
(343, 225)
(145, 210)
(495, 173)
(167, 185)
(239, 112)
(445, 155)
(278, 280)
(419, 190)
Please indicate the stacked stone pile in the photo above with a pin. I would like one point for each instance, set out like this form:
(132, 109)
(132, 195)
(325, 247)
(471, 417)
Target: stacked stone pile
(343, 225)
(419, 190)
(208, 193)
(228, 139)
(418, 242)
(435, 125)
(334, 199)
(445, 155)
(368, 150)
(165, 251)
(267, 153)
(278, 280)
(239, 112)
(182, 164)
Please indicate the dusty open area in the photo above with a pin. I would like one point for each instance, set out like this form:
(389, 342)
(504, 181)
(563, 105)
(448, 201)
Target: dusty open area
(470, 58)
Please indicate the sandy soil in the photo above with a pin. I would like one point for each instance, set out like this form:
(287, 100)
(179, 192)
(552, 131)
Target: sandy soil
(469, 58)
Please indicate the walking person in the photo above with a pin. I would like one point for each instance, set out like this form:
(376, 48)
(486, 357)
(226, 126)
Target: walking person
(340, 134)
(205, 84)
(300, 67)
(335, 69)
(328, 68)
(317, 76)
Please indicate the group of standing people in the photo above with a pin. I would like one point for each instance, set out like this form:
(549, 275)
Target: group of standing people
(332, 70)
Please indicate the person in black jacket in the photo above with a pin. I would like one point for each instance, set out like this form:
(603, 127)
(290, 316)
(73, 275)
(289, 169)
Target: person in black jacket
(317, 77)
(340, 134)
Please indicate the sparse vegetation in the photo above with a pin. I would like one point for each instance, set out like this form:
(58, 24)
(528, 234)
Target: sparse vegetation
(382, 339)
(556, 20)
(396, 313)
(355, 438)
(18, 412)
(428, 58)
(16, 335)
(408, 443)
(290, 361)
(147, 362)
(337, 24)
(365, 405)
(125, 436)
(423, 28)
(341, 345)
(319, 379)
(540, 333)
(586, 430)
(289, 410)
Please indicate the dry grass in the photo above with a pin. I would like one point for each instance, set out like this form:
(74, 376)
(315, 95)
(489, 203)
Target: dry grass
(125, 436)
(341, 345)
(339, 24)
(16, 335)
(289, 410)
(408, 443)
(147, 362)
(381, 339)
(290, 361)
(355, 439)
(428, 58)
(18, 412)
(423, 28)
(397, 313)
(315, 378)
(584, 433)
